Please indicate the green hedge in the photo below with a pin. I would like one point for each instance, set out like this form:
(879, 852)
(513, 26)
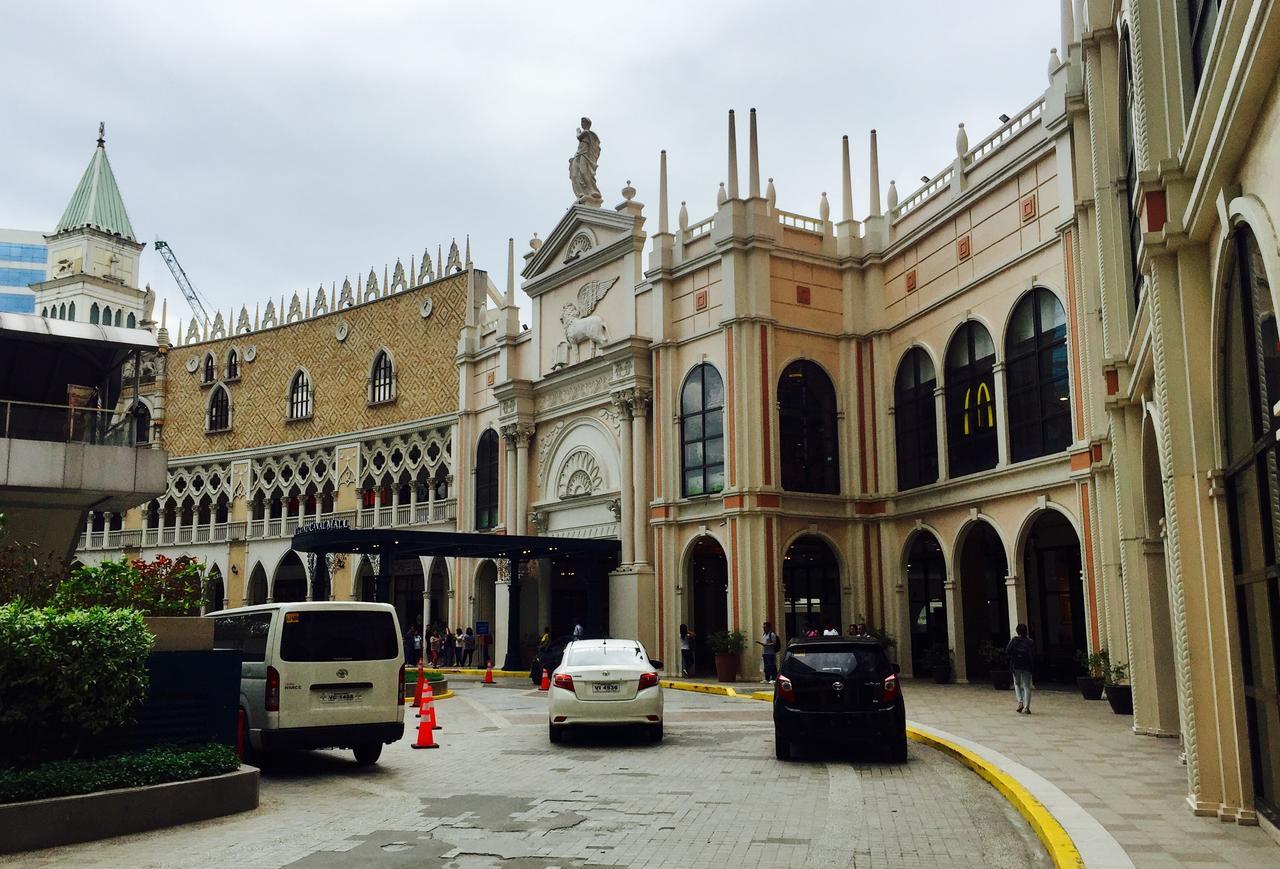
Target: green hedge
(67, 676)
(163, 763)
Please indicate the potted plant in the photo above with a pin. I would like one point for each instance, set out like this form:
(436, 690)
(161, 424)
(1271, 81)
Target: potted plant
(998, 661)
(1097, 665)
(1119, 692)
(939, 660)
(727, 646)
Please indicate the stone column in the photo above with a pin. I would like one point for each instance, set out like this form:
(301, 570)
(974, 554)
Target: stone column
(523, 436)
(622, 401)
(508, 484)
(640, 476)
(513, 661)
(940, 415)
(1002, 416)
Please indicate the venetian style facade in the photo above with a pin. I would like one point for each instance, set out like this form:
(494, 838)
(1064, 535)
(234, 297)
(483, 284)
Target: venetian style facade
(1036, 389)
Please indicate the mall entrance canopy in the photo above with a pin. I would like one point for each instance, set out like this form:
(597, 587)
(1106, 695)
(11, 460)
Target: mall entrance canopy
(323, 538)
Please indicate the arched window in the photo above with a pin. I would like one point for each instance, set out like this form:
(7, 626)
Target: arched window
(71, 311)
(219, 410)
(915, 420)
(807, 441)
(1203, 17)
(44, 312)
(1037, 393)
(210, 369)
(1250, 389)
(382, 379)
(131, 322)
(62, 311)
(702, 431)
(119, 319)
(141, 424)
(94, 313)
(106, 315)
(487, 481)
(971, 406)
(1127, 141)
(233, 364)
(299, 396)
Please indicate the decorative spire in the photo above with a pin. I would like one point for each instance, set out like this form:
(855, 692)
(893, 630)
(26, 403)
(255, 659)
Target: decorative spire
(962, 142)
(96, 202)
(824, 208)
(102, 134)
(663, 226)
(893, 197)
(721, 196)
(468, 255)
(875, 176)
(846, 196)
(733, 157)
(771, 197)
(684, 216)
(1054, 62)
(753, 161)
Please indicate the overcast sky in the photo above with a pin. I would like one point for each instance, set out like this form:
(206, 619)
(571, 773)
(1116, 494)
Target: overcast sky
(279, 145)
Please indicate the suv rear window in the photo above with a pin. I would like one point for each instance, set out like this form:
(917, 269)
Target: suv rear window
(338, 635)
(835, 659)
(603, 656)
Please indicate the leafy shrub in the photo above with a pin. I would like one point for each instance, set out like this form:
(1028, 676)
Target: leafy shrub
(66, 676)
(162, 763)
(727, 642)
(26, 573)
(163, 587)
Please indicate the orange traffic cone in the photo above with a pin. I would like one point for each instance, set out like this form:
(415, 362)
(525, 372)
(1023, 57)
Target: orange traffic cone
(431, 716)
(417, 689)
(488, 674)
(546, 681)
(426, 739)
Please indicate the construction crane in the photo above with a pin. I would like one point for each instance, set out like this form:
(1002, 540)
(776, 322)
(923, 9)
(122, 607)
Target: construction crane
(184, 283)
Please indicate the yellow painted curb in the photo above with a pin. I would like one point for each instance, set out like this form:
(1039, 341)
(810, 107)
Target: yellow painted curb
(471, 671)
(1061, 849)
(1048, 830)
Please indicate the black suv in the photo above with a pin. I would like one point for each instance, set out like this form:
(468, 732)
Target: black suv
(839, 688)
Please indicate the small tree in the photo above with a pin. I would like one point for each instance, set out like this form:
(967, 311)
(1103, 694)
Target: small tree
(163, 587)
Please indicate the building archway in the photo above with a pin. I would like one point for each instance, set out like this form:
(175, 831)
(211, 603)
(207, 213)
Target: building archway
(810, 587)
(408, 585)
(438, 591)
(707, 592)
(214, 590)
(290, 582)
(364, 584)
(982, 568)
(1055, 596)
(926, 599)
(257, 586)
(484, 607)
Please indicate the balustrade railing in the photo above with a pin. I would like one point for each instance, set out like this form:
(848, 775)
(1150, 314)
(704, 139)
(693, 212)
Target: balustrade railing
(699, 229)
(800, 222)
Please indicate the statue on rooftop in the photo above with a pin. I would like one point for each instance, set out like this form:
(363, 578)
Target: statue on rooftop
(582, 166)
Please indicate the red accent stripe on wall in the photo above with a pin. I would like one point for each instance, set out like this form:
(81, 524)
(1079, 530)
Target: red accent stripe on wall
(766, 412)
(1087, 524)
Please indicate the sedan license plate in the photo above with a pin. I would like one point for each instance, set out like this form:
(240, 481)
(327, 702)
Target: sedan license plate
(604, 688)
(339, 696)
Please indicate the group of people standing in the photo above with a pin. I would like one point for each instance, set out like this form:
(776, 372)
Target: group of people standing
(441, 647)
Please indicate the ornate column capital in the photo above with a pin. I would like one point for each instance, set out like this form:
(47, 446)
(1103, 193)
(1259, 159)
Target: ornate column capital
(523, 434)
(538, 521)
(640, 401)
(621, 400)
(509, 434)
(615, 506)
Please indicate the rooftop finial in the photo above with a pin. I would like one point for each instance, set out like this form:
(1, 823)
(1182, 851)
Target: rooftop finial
(102, 134)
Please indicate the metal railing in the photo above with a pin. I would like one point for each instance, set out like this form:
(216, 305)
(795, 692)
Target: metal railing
(992, 143)
(444, 511)
(63, 423)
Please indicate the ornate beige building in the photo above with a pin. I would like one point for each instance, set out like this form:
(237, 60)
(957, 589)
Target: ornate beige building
(1036, 389)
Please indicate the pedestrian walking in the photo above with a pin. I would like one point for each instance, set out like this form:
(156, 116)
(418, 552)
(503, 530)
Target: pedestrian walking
(468, 647)
(446, 647)
(413, 646)
(458, 640)
(435, 648)
(577, 630)
(770, 644)
(1022, 657)
(686, 651)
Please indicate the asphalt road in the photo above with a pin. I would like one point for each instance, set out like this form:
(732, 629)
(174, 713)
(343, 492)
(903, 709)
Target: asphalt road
(497, 793)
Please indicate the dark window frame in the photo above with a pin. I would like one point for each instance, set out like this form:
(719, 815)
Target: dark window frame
(972, 425)
(1031, 369)
(1202, 18)
(219, 415)
(915, 420)
(300, 396)
(233, 364)
(1128, 141)
(808, 429)
(697, 417)
(486, 488)
(210, 370)
(382, 379)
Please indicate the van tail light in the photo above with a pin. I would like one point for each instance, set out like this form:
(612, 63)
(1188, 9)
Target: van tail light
(648, 680)
(564, 680)
(786, 691)
(400, 687)
(273, 690)
(891, 691)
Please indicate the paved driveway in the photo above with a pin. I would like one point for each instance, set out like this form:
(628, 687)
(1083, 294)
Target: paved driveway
(497, 793)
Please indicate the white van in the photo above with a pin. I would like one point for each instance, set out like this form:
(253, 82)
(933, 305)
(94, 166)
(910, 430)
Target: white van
(323, 674)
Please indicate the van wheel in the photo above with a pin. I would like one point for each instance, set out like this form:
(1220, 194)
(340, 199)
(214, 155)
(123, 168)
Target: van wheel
(555, 734)
(367, 753)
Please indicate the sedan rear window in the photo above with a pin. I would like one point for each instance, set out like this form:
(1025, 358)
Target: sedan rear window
(603, 656)
(339, 635)
(841, 660)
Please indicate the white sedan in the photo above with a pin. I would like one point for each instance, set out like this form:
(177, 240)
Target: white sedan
(605, 682)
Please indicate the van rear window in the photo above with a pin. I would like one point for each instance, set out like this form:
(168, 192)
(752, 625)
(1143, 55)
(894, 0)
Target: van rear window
(338, 635)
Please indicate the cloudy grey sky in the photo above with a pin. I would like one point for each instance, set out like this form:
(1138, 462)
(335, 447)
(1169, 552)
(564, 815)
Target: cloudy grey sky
(279, 145)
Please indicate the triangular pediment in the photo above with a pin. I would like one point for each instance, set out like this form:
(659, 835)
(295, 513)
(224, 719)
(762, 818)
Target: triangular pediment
(584, 237)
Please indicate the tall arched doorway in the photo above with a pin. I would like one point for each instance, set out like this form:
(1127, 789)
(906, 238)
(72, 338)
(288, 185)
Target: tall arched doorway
(484, 608)
(407, 587)
(926, 600)
(1055, 596)
(708, 599)
(257, 586)
(810, 587)
(984, 598)
(214, 590)
(291, 580)
(366, 588)
(438, 585)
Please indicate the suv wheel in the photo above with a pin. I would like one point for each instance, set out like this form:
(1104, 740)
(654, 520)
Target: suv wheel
(781, 745)
(655, 732)
(898, 747)
(367, 753)
(555, 734)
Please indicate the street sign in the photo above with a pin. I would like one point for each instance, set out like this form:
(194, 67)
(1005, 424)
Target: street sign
(482, 629)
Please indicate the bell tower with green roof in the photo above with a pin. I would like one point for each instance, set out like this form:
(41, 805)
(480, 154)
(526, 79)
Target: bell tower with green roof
(94, 253)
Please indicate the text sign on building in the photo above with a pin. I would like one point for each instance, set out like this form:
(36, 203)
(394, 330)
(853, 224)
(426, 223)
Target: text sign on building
(482, 629)
(326, 525)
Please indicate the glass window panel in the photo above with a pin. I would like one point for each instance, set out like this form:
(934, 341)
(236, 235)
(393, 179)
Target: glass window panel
(715, 479)
(714, 423)
(1053, 319)
(691, 397)
(692, 428)
(1022, 327)
(693, 454)
(715, 451)
(714, 387)
(693, 482)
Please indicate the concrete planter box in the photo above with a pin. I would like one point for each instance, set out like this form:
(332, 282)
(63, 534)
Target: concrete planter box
(86, 817)
(180, 633)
